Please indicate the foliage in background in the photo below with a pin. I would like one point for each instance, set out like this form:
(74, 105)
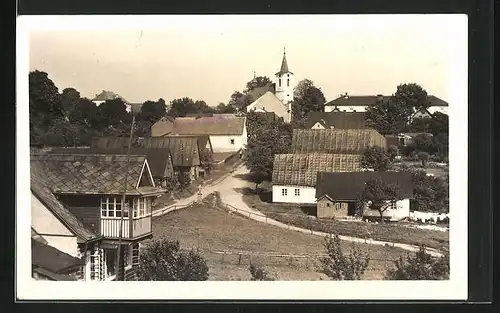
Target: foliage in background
(379, 195)
(422, 266)
(307, 98)
(164, 260)
(339, 266)
(430, 194)
(258, 272)
(375, 158)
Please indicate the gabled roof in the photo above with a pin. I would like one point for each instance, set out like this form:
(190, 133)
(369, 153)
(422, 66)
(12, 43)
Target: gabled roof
(107, 95)
(213, 125)
(52, 260)
(335, 140)
(91, 173)
(367, 100)
(301, 169)
(337, 120)
(203, 140)
(269, 103)
(41, 188)
(284, 66)
(348, 185)
(159, 159)
(258, 92)
(184, 150)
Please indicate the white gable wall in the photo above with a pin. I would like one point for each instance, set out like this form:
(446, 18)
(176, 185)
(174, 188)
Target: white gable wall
(402, 211)
(317, 126)
(222, 143)
(307, 195)
(51, 229)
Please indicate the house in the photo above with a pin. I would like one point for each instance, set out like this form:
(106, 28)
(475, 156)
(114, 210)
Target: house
(227, 133)
(335, 140)
(105, 95)
(348, 103)
(268, 102)
(335, 120)
(294, 175)
(337, 194)
(159, 159)
(258, 92)
(77, 207)
(48, 263)
(184, 151)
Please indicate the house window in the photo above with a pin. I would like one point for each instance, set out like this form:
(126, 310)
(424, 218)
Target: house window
(142, 207)
(283, 192)
(111, 207)
(287, 75)
(279, 82)
(297, 192)
(337, 206)
(328, 204)
(393, 205)
(231, 141)
(135, 254)
(288, 82)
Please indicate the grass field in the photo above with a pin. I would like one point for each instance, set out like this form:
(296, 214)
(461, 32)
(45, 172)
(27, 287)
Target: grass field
(207, 229)
(394, 232)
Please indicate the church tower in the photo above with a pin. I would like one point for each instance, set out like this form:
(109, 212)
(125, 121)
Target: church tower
(284, 82)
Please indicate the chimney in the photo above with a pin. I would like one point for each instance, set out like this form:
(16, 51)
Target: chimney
(346, 95)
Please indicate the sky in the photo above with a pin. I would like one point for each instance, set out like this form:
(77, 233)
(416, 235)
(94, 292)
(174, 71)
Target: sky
(209, 57)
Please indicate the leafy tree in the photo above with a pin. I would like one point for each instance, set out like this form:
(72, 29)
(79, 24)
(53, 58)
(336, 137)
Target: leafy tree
(423, 142)
(44, 96)
(441, 145)
(412, 98)
(439, 123)
(184, 106)
(430, 194)
(307, 98)
(392, 152)
(164, 260)
(69, 99)
(225, 109)
(423, 157)
(207, 160)
(258, 272)
(387, 116)
(113, 113)
(184, 180)
(85, 112)
(376, 158)
(379, 195)
(240, 101)
(152, 111)
(259, 81)
(420, 267)
(339, 266)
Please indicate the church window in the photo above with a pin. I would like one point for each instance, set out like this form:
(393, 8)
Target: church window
(288, 83)
(288, 75)
(279, 82)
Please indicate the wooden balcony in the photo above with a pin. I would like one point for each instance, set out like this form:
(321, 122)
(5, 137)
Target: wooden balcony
(110, 227)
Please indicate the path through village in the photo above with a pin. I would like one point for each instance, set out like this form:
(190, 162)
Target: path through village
(228, 189)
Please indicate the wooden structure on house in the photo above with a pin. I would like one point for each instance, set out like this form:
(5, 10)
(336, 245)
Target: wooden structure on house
(294, 175)
(346, 141)
(77, 207)
(336, 120)
(228, 133)
(337, 194)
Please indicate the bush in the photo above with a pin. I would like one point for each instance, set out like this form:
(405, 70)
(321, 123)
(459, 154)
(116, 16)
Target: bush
(164, 260)
(258, 272)
(338, 266)
(423, 157)
(420, 267)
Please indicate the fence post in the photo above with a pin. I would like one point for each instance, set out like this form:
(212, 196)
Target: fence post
(222, 258)
(239, 259)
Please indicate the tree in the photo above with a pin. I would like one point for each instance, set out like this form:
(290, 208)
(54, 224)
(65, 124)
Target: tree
(420, 267)
(441, 145)
(44, 97)
(207, 160)
(225, 109)
(184, 180)
(338, 266)
(430, 194)
(239, 101)
(392, 152)
(439, 123)
(113, 113)
(412, 98)
(307, 98)
(69, 99)
(182, 107)
(378, 195)
(258, 272)
(375, 158)
(259, 81)
(423, 157)
(423, 142)
(85, 112)
(152, 111)
(387, 116)
(164, 260)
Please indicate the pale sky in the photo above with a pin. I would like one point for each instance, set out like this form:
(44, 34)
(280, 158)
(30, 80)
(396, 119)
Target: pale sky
(209, 57)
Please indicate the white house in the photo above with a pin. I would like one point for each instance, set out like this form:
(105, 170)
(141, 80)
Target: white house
(337, 194)
(269, 102)
(348, 103)
(228, 133)
(294, 175)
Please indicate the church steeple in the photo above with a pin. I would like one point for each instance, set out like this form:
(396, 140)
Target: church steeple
(284, 65)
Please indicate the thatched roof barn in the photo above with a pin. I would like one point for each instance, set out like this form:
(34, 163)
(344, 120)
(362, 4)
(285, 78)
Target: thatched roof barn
(348, 141)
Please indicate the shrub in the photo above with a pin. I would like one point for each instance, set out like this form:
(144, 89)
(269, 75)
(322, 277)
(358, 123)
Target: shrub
(164, 260)
(258, 272)
(423, 157)
(338, 266)
(420, 267)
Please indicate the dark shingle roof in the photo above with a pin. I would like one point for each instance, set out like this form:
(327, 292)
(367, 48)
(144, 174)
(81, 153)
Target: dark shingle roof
(335, 140)
(159, 159)
(347, 186)
(258, 92)
(284, 66)
(41, 188)
(338, 120)
(372, 99)
(90, 173)
(301, 169)
(51, 259)
(184, 149)
(212, 125)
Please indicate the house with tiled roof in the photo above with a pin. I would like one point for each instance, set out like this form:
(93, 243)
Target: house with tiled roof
(268, 102)
(105, 95)
(360, 103)
(76, 206)
(337, 194)
(335, 120)
(228, 133)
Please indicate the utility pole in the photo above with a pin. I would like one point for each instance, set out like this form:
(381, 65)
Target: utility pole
(120, 270)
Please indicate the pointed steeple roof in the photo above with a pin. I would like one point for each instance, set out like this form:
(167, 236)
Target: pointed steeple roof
(284, 65)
